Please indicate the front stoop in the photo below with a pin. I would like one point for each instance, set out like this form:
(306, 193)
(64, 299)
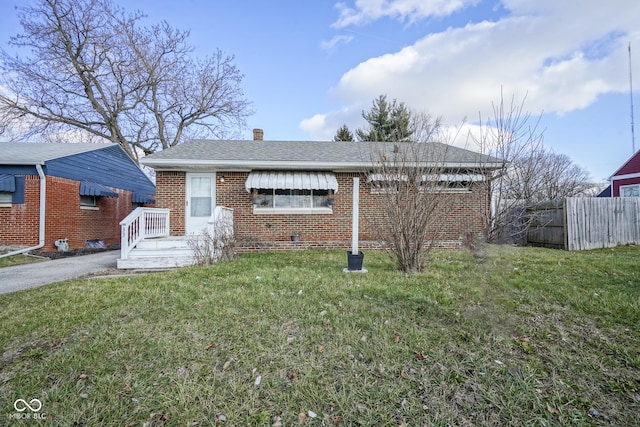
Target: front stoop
(165, 252)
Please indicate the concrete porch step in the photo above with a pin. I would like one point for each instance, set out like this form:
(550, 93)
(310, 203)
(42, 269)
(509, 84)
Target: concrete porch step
(165, 242)
(157, 262)
(167, 252)
(153, 252)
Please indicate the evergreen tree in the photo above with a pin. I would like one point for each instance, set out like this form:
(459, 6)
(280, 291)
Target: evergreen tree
(343, 134)
(388, 122)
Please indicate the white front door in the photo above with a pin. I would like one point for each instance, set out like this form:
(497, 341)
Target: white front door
(201, 200)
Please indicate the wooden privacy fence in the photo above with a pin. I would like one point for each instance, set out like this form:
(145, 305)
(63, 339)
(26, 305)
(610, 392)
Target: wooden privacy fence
(579, 223)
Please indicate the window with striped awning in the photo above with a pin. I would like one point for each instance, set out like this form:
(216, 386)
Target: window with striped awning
(273, 190)
(281, 180)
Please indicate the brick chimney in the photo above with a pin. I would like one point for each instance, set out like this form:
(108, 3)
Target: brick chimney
(258, 134)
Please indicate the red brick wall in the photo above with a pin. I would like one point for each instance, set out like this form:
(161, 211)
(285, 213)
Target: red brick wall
(171, 194)
(19, 224)
(64, 219)
(459, 213)
(456, 213)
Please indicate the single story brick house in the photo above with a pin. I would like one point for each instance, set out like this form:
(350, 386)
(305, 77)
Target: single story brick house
(74, 192)
(625, 182)
(296, 194)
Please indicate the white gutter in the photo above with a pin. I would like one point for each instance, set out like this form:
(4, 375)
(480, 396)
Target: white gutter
(43, 205)
(173, 164)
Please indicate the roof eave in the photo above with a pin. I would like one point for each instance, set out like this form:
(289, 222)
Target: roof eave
(177, 164)
(23, 163)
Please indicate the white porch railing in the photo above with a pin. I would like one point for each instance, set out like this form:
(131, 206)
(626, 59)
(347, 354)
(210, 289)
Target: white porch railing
(140, 224)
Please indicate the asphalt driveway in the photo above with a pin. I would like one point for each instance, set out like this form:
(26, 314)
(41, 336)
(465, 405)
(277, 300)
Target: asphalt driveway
(36, 274)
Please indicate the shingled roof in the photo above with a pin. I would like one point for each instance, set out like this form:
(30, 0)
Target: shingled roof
(300, 155)
(24, 153)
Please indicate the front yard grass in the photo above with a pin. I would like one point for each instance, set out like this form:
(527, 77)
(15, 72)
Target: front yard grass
(521, 336)
(10, 261)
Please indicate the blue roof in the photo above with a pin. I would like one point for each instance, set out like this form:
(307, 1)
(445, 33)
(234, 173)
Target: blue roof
(606, 192)
(105, 164)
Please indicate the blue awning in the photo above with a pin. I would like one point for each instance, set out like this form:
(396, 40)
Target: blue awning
(8, 183)
(94, 189)
(141, 198)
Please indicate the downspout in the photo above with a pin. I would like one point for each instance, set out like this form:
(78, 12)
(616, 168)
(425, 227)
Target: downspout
(43, 205)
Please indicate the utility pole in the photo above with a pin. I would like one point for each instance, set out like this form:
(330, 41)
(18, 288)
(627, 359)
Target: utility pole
(633, 136)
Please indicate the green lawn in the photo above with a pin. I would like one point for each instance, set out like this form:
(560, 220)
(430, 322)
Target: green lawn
(522, 336)
(17, 260)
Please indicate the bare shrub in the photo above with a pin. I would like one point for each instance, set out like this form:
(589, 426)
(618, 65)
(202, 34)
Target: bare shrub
(411, 179)
(215, 243)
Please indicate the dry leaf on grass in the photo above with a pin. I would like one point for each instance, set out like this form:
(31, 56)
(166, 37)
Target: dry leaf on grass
(211, 345)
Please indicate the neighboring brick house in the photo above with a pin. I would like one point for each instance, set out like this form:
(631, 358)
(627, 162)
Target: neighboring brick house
(280, 189)
(625, 182)
(78, 192)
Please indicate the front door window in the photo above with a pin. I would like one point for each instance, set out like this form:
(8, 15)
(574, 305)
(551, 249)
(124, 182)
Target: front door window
(200, 196)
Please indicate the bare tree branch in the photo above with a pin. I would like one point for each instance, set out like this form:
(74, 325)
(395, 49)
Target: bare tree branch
(530, 173)
(416, 183)
(92, 66)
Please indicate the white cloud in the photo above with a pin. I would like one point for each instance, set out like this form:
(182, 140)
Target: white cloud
(365, 11)
(328, 45)
(324, 126)
(562, 57)
(317, 125)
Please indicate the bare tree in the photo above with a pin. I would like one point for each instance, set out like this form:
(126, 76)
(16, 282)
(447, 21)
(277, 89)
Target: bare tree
(92, 67)
(530, 173)
(543, 176)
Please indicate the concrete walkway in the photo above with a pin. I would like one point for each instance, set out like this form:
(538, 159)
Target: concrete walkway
(36, 274)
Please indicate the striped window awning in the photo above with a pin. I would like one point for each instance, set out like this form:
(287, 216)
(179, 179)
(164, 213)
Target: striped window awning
(94, 189)
(375, 177)
(444, 177)
(280, 180)
(454, 177)
(8, 183)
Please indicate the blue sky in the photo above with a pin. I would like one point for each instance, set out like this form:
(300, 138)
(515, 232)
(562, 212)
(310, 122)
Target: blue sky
(311, 66)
